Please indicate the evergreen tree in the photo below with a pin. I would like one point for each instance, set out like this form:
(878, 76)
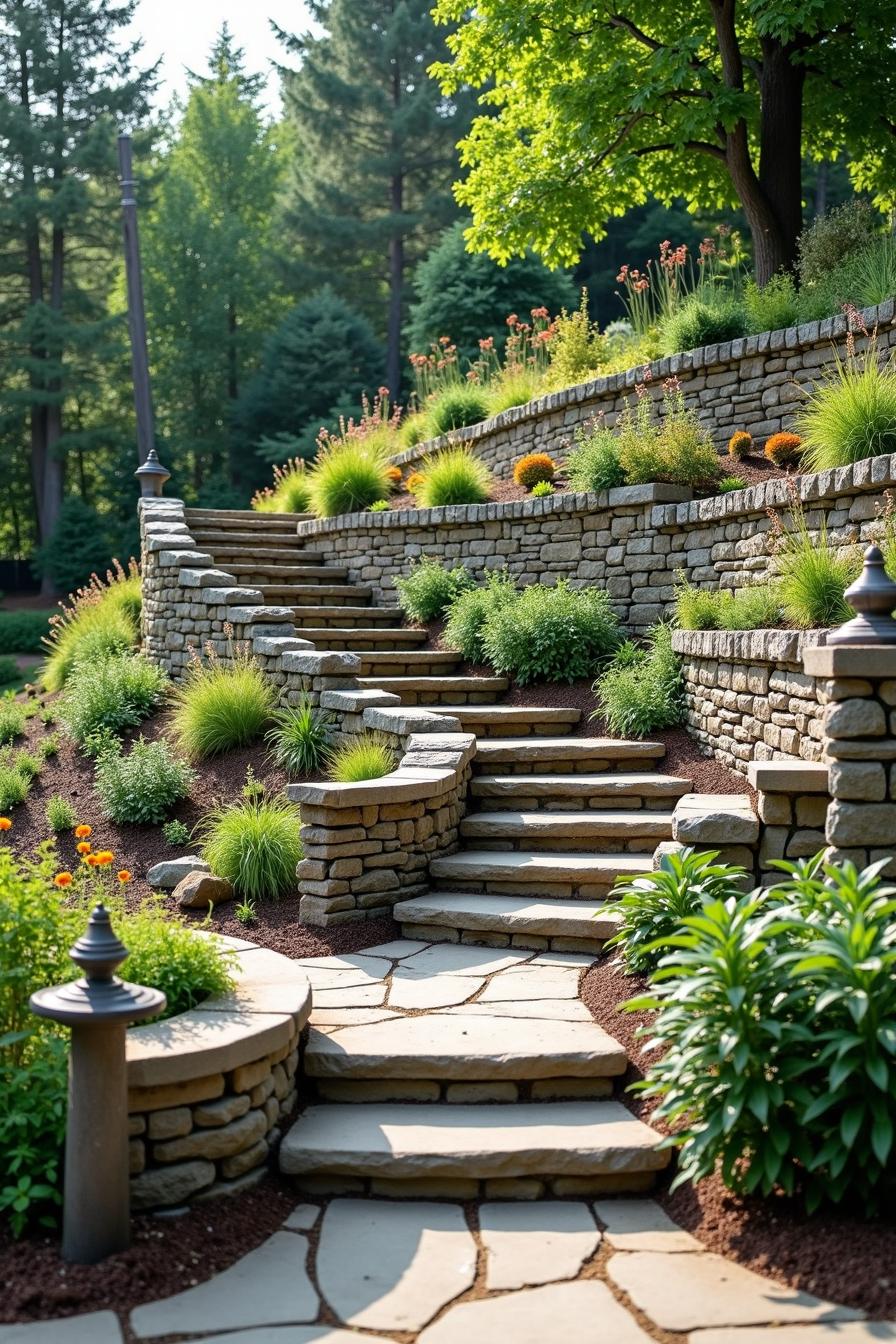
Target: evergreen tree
(66, 87)
(208, 249)
(376, 154)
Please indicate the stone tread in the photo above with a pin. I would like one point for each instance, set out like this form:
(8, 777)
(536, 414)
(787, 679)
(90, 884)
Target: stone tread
(376, 635)
(284, 591)
(266, 554)
(488, 865)
(210, 535)
(274, 572)
(404, 1141)
(583, 824)
(509, 914)
(345, 613)
(462, 685)
(508, 749)
(418, 657)
(244, 517)
(483, 714)
(605, 784)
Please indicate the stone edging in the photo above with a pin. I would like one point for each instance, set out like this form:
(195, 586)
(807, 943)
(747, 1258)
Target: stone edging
(207, 1088)
(747, 646)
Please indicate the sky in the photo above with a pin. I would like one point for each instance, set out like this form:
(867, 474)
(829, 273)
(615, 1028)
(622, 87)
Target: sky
(182, 31)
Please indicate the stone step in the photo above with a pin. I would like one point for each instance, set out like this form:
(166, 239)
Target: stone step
(334, 594)
(537, 755)
(407, 662)
(637, 830)
(246, 518)
(226, 554)
(507, 921)
(375, 641)
(511, 720)
(216, 537)
(343, 615)
(282, 573)
(471, 1043)
(608, 788)
(535, 872)
(579, 1146)
(432, 690)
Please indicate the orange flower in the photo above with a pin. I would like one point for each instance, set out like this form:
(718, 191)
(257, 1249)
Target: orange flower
(63, 879)
(104, 857)
(83, 847)
(92, 859)
(124, 876)
(5, 824)
(82, 832)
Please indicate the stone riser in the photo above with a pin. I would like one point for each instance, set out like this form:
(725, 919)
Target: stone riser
(433, 699)
(499, 1187)
(336, 614)
(438, 933)
(561, 891)
(370, 640)
(522, 802)
(556, 765)
(471, 1092)
(586, 844)
(372, 666)
(519, 729)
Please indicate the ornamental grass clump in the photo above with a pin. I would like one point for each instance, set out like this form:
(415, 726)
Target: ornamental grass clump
(456, 406)
(109, 695)
(299, 738)
(290, 493)
(350, 474)
(60, 813)
(470, 612)
(453, 476)
(740, 445)
(813, 573)
(430, 588)
(755, 608)
(102, 618)
(255, 845)
(851, 414)
(551, 634)
(220, 706)
(141, 786)
(642, 690)
(593, 461)
(16, 778)
(365, 757)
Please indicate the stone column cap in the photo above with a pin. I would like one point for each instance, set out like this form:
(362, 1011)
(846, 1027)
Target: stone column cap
(851, 660)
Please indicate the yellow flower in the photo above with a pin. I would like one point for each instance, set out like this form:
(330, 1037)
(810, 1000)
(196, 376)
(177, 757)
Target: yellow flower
(104, 857)
(63, 879)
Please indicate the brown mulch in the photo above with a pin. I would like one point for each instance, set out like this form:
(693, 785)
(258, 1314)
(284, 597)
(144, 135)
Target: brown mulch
(844, 1256)
(753, 470)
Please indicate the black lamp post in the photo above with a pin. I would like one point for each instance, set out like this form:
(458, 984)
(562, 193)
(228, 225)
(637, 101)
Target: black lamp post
(96, 1215)
(873, 597)
(152, 476)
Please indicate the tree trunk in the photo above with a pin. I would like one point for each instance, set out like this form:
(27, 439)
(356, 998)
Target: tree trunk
(396, 251)
(37, 411)
(780, 148)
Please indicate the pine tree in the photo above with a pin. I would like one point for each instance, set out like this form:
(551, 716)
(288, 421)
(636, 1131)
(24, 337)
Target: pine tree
(66, 86)
(376, 154)
(210, 287)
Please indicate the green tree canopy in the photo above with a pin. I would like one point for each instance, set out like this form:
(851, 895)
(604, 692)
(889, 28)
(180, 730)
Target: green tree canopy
(467, 296)
(597, 106)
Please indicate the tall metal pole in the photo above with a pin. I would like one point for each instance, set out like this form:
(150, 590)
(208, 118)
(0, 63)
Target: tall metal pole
(136, 312)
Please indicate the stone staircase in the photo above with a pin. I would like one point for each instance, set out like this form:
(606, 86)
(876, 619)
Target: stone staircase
(421, 1051)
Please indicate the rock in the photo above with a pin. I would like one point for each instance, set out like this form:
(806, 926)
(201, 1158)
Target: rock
(641, 1225)
(213, 1114)
(577, 1313)
(170, 1185)
(532, 1244)
(169, 872)
(199, 890)
(214, 1143)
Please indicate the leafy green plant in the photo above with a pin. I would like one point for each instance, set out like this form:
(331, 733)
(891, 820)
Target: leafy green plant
(593, 461)
(186, 965)
(12, 720)
(255, 845)
(851, 414)
(755, 608)
(176, 833)
(245, 912)
(364, 757)
(142, 785)
(830, 239)
(453, 476)
(429, 588)
(60, 814)
(379, 506)
(541, 489)
(774, 306)
(299, 738)
(350, 474)
(470, 611)
(253, 787)
(16, 778)
(577, 349)
(872, 272)
(456, 406)
(220, 706)
(49, 746)
(652, 906)
(111, 693)
(101, 619)
(729, 483)
(642, 689)
(551, 634)
(678, 450)
(697, 322)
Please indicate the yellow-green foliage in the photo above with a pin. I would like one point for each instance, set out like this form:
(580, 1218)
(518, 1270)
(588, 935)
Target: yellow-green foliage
(100, 619)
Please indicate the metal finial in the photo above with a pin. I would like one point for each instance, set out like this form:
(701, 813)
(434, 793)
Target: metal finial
(873, 598)
(99, 951)
(100, 996)
(152, 475)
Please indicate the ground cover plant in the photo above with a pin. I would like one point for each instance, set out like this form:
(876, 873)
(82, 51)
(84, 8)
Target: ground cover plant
(141, 785)
(642, 689)
(219, 706)
(756, 608)
(471, 610)
(109, 694)
(776, 1015)
(255, 845)
(367, 756)
(429, 588)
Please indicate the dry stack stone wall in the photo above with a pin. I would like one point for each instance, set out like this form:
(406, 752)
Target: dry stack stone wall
(754, 383)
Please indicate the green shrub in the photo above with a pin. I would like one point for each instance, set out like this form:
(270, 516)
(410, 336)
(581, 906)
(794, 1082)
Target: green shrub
(774, 306)
(49, 746)
(363, 757)
(829, 240)
(697, 322)
(255, 845)
(110, 694)
(176, 833)
(453, 476)
(678, 450)
(456, 406)
(470, 611)
(60, 814)
(814, 574)
(430, 588)
(15, 779)
(755, 608)
(12, 720)
(642, 689)
(77, 548)
(541, 489)
(218, 707)
(9, 670)
(850, 415)
(348, 477)
(729, 483)
(551, 634)
(775, 1017)
(23, 631)
(101, 619)
(577, 349)
(186, 965)
(651, 907)
(593, 461)
(299, 738)
(142, 786)
(291, 491)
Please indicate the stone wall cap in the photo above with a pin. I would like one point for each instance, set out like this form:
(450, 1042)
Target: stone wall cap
(223, 597)
(747, 646)
(405, 719)
(403, 785)
(655, 492)
(851, 660)
(715, 819)
(788, 776)
(357, 701)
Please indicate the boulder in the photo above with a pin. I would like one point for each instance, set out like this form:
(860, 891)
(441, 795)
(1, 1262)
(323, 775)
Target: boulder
(169, 872)
(197, 891)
